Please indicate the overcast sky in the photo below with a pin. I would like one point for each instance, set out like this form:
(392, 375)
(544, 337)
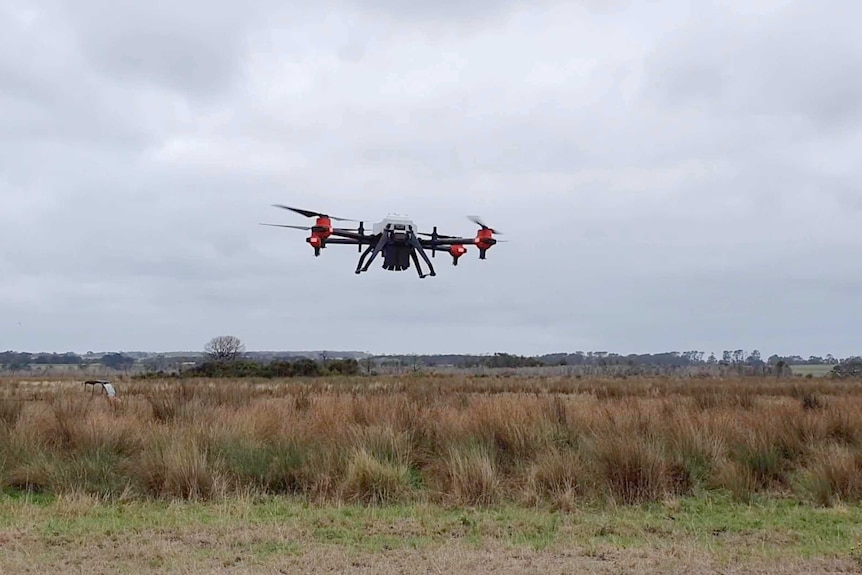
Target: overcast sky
(670, 175)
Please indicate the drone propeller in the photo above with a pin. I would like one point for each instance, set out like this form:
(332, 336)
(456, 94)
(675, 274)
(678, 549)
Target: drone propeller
(310, 214)
(478, 221)
(305, 228)
(308, 228)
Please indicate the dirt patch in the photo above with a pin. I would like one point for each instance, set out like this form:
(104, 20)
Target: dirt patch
(205, 555)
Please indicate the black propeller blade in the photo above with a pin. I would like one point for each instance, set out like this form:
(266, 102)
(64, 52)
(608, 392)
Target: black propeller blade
(305, 228)
(311, 214)
(478, 221)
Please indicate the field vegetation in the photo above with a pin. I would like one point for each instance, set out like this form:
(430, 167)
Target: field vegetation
(451, 440)
(422, 473)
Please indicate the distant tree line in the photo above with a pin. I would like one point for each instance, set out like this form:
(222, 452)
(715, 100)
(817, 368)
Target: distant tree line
(23, 359)
(603, 358)
(20, 361)
(226, 356)
(241, 368)
(729, 362)
(850, 367)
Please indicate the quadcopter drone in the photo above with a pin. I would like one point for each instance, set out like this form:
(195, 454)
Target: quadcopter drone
(395, 236)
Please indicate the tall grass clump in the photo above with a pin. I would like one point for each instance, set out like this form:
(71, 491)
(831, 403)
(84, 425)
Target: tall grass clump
(276, 468)
(834, 476)
(10, 411)
(635, 470)
(470, 475)
(175, 468)
(375, 480)
(560, 477)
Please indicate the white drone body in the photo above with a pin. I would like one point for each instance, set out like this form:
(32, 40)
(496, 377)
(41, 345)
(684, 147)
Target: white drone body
(393, 222)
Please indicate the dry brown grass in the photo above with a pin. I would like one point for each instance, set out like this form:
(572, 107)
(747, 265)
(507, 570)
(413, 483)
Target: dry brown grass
(453, 439)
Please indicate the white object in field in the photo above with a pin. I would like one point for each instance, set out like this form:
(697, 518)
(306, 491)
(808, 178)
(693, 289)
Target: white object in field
(106, 385)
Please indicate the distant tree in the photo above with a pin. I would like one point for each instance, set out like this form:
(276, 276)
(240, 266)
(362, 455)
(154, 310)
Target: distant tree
(348, 366)
(224, 348)
(754, 358)
(117, 361)
(850, 367)
(369, 364)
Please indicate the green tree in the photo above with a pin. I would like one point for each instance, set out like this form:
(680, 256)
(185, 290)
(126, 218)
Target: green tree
(117, 361)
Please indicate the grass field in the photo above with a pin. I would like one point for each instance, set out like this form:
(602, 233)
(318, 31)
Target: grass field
(283, 535)
(433, 474)
(813, 370)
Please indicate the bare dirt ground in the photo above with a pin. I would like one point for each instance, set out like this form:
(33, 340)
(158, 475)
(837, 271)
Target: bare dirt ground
(164, 555)
(288, 551)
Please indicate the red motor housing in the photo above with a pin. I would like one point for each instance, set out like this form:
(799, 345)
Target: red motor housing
(484, 239)
(322, 228)
(456, 251)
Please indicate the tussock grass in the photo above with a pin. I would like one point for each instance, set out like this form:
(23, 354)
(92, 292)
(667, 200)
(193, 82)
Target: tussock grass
(10, 411)
(479, 441)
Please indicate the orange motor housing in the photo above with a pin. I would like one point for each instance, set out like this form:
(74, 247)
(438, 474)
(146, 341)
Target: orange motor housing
(322, 228)
(457, 251)
(484, 239)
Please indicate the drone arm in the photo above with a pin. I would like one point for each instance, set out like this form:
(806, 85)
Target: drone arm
(447, 242)
(342, 241)
(356, 237)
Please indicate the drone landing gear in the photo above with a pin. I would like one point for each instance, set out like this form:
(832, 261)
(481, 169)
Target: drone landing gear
(362, 258)
(373, 251)
(417, 247)
(418, 267)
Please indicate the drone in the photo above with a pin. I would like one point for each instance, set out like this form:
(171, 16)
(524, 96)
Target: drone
(396, 237)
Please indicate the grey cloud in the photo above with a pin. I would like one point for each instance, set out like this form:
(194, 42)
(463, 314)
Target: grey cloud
(451, 12)
(463, 14)
(794, 61)
(194, 47)
(666, 182)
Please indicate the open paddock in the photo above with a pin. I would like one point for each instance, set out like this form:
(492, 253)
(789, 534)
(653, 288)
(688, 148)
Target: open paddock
(690, 472)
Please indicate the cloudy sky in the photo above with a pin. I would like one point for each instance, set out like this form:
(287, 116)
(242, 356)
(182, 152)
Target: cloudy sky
(670, 175)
